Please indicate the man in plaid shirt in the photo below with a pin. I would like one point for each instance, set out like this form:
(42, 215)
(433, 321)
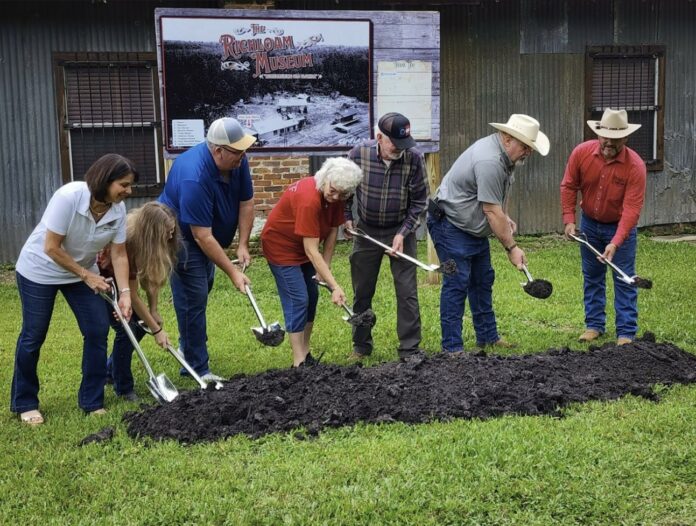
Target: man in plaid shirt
(389, 202)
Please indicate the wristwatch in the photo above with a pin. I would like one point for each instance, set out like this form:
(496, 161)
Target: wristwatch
(509, 249)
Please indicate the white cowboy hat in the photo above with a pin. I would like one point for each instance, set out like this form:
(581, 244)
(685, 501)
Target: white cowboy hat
(525, 129)
(614, 125)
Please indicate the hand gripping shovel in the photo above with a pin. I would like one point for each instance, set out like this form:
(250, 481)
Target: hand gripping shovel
(448, 267)
(634, 281)
(180, 358)
(161, 387)
(366, 318)
(271, 335)
(538, 288)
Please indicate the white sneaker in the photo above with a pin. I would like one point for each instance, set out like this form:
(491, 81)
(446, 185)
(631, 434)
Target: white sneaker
(210, 377)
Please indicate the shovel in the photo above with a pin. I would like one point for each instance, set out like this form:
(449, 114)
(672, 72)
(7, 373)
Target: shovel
(634, 281)
(271, 335)
(180, 358)
(366, 318)
(161, 387)
(448, 267)
(538, 288)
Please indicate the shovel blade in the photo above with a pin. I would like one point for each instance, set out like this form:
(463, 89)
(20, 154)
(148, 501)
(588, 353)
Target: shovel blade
(162, 389)
(272, 336)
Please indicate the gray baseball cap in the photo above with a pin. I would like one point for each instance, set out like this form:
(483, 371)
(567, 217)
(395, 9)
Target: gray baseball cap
(228, 132)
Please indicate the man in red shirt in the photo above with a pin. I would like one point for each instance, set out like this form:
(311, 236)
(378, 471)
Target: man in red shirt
(611, 180)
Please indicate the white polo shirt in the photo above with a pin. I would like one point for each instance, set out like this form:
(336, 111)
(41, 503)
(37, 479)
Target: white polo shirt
(68, 214)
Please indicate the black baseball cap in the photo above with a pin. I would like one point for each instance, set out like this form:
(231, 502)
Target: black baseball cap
(398, 129)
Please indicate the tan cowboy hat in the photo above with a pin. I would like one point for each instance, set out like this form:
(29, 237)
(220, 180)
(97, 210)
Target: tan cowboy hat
(614, 125)
(525, 129)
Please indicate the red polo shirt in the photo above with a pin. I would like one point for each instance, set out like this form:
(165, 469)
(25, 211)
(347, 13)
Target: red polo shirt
(612, 191)
(301, 212)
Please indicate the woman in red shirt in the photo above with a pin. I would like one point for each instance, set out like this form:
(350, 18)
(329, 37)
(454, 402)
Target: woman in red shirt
(309, 212)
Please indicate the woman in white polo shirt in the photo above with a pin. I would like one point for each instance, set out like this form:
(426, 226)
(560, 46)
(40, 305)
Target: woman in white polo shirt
(60, 255)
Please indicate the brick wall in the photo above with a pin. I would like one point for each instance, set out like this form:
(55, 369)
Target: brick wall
(271, 175)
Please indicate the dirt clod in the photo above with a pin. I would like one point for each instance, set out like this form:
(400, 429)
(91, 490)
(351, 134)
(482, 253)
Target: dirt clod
(642, 283)
(439, 387)
(100, 436)
(272, 338)
(539, 288)
(366, 318)
(449, 267)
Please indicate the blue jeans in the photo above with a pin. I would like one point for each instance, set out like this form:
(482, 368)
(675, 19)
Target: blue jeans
(118, 365)
(191, 283)
(298, 293)
(594, 286)
(37, 309)
(473, 280)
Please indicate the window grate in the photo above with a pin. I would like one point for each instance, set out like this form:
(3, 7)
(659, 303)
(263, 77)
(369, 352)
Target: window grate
(110, 106)
(630, 78)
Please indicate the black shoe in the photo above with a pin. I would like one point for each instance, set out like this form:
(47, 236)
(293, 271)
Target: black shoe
(311, 361)
(408, 353)
(130, 397)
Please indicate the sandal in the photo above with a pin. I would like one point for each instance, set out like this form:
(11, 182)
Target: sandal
(32, 418)
(97, 412)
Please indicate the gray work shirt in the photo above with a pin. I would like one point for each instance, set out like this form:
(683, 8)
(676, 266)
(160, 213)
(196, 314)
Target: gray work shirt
(482, 174)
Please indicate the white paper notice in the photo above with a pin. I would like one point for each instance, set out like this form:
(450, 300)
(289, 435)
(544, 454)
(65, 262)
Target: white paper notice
(405, 86)
(187, 132)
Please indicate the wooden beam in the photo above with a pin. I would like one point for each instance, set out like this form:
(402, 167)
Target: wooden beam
(432, 167)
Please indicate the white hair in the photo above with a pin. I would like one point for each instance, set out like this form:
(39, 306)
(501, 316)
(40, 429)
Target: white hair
(341, 173)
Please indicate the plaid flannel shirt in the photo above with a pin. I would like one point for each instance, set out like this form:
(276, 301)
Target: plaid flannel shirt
(389, 196)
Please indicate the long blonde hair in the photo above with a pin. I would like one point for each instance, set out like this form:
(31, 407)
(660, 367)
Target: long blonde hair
(152, 241)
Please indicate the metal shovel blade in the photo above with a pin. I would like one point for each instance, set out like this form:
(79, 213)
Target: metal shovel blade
(272, 336)
(162, 388)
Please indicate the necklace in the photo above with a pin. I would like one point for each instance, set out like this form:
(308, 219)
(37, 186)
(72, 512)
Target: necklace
(97, 213)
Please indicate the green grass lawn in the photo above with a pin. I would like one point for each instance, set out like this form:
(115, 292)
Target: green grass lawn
(630, 461)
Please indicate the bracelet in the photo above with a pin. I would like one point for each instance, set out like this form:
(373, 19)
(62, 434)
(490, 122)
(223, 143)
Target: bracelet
(509, 249)
(157, 331)
(123, 291)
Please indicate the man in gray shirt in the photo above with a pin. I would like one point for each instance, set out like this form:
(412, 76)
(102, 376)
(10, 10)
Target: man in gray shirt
(469, 207)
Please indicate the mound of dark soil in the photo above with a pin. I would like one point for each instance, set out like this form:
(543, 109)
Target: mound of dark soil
(421, 389)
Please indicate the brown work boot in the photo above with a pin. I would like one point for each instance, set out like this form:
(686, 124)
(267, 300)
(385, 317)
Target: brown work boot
(355, 356)
(589, 335)
(623, 340)
(502, 343)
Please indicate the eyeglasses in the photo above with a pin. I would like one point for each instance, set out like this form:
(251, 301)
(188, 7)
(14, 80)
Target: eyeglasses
(339, 194)
(238, 153)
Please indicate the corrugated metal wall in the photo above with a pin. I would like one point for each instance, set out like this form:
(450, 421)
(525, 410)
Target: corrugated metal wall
(527, 56)
(671, 194)
(489, 68)
(30, 32)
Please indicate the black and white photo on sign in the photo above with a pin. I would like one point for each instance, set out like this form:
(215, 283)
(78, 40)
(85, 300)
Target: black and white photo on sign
(293, 84)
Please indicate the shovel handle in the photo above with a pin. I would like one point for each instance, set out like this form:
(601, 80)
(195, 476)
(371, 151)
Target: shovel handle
(583, 240)
(360, 233)
(177, 355)
(252, 300)
(111, 298)
(327, 287)
(527, 274)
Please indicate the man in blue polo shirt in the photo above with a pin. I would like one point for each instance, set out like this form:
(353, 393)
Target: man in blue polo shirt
(209, 187)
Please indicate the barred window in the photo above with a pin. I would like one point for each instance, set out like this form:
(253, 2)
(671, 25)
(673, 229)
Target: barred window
(109, 104)
(629, 78)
